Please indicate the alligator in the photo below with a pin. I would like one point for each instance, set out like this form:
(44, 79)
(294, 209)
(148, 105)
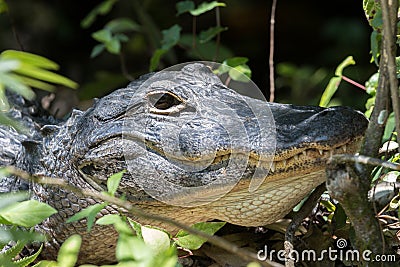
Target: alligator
(243, 168)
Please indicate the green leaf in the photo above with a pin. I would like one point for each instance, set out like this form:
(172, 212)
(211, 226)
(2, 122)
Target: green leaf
(235, 61)
(103, 36)
(193, 242)
(207, 35)
(329, 91)
(3, 7)
(21, 213)
(25, 261)
(17, 125)
(114, 46)
(89, 213)
(113, 182)
(241, 73)
(170, 36)
(155, 59)
(37, 84)
(184, 6)
(7, 199)
(69, 250)
(45, 75)
(7, 65)
(334, 82)
(119, 223)
(15, 84)
(131, 248)
(101, 9)
(157, 240)
(345, 63)
(97, 49)
(122, 25)
(30, 59)
(376, 40)
(121, 37)
(204, 7)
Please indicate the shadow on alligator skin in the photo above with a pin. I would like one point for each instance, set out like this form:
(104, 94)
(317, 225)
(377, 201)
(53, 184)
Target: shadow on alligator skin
(168, 137)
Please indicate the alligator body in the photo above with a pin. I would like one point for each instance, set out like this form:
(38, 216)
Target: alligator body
(167, 133)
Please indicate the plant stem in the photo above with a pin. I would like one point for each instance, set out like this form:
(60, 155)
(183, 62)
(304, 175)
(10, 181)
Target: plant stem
(271, 53)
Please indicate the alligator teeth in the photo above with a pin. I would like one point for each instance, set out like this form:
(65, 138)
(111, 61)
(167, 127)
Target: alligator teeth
(272, 167)
(344, 148)
(304, 153)
(321, 152)
(296, 157)
(284, 163)
(330, 153)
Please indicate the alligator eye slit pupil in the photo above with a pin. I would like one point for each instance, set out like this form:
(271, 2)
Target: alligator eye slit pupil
(164, 101)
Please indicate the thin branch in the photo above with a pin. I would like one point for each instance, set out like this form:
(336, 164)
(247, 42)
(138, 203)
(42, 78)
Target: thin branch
(218, 40)
(346, 158)
(215, 240)
(389, 16)
(271, 53)
(353, 82)
(124, 69)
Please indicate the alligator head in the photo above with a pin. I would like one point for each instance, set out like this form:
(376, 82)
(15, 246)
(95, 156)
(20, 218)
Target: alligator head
(192, 148)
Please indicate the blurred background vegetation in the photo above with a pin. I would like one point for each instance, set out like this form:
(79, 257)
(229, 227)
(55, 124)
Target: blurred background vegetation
(311, 39)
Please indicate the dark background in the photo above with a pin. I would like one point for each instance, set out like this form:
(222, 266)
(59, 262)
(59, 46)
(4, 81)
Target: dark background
(313, 36)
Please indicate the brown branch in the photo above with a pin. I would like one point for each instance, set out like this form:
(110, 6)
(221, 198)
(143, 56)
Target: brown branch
(271, 53)
(389, 17)
(215, 240)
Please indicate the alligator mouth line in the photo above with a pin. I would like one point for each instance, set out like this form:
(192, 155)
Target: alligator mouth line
(294, 158)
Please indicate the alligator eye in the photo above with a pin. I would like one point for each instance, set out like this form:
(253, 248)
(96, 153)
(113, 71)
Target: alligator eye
(164, 102)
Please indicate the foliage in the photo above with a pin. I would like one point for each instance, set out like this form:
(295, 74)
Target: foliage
(22, 71)
(17, 213)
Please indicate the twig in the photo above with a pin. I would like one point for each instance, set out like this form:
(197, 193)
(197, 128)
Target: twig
(346, 158)
(353, 82)
(271, 53)
(215, 240)
(389, 16)
(124, 68)
(218, 40)
(14, 29)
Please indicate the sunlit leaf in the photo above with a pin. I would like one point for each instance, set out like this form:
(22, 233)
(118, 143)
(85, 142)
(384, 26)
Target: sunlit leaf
(7, 65)
(241, 73)
(113, 182)
(103, 35)
(89, 213)
(45, 75)
(113, 46)
(155, 239)
(329, 91)
(7, 199)
(204, 7)
(189, 241)
(69, 250)
(15, 84)
(345, 63)
(30, 59)
(21, 213)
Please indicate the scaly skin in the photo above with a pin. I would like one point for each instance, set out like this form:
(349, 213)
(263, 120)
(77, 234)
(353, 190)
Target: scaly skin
(223, 138)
